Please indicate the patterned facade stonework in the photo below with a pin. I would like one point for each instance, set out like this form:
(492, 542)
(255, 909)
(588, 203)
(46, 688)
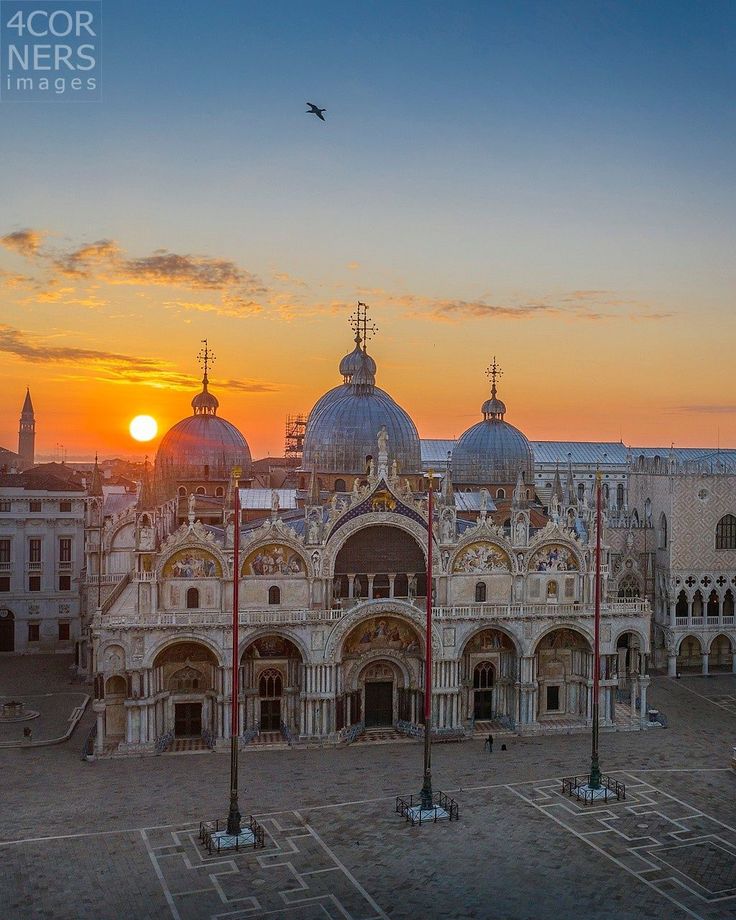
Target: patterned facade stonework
(332, 623)
(667, 547)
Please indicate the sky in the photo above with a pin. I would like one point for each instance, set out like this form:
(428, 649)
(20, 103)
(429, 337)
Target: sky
(550, 183)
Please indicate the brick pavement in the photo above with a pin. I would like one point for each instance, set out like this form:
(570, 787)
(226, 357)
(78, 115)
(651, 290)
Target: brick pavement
(510, 856)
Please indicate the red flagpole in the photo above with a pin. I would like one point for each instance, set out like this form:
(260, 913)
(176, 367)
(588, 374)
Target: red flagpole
(426, 795)
(233, 818)
(428, 681)
(236, 579)
(595, 770)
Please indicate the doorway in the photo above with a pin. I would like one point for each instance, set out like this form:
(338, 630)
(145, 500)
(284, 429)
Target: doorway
(379, 703)
(483, 691)
(553, 699)
(187, 720)
(7, 631)
(270, 715)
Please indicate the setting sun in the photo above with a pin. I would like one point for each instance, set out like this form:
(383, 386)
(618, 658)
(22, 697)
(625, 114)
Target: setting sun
(143, 428)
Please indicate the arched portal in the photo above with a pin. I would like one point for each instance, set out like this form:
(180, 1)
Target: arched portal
(489, 669)
(630, 663)
(187, 673)
(382, 673)
(380, 562)
(721, 654)
(690, 655)
(270, 680)
(564, 662)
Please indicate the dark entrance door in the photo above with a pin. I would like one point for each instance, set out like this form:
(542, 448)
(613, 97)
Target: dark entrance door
(188, 720)
(270, 715)
(483, 704)
(379, 703)
(7, 631)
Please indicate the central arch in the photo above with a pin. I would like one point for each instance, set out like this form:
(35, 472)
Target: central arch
(382, 673)
(379, 561)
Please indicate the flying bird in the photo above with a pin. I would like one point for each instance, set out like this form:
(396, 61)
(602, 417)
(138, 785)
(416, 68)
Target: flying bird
(315, 110)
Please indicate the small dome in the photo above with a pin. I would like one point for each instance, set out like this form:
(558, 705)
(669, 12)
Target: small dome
(492, 451)
(200, 447)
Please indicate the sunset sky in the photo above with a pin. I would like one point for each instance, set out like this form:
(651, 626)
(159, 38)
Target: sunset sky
(549, 182)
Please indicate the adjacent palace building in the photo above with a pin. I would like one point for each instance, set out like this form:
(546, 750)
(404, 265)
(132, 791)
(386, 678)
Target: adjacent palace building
(333, 587)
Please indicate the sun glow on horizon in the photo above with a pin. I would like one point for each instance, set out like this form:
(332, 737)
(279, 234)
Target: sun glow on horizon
(143, 428)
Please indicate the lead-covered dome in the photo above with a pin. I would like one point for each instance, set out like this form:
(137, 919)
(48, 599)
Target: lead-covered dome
(492, 451)
(343, 426)
(200, 447)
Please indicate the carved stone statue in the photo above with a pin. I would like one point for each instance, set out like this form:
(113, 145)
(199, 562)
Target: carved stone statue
(191, 504)
(383, 440)
(484, 501)
(274, 501)
(371, 468)
(314, 531)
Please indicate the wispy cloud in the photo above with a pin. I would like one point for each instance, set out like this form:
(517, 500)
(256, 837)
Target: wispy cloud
(709, 409)
(26, 242)
(112, 366)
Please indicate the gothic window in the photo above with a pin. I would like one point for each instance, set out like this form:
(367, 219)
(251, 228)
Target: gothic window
(182, 492)
(192, 598)
(269, 685)
(726, 532)
(620, 495)
(681, 609)
(628, 588)
(500, 493)
(606, 491)
(185, 680)
(581, 491)
(483, 676)
(712, 610)
(480, 593)
(340, 485)
(663, 531)
(219, 492)
(274, 595)
(200, 490)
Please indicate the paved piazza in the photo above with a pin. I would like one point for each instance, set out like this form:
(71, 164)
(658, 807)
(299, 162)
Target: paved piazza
(118, 838)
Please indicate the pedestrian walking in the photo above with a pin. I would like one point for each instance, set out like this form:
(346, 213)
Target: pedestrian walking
(489, 742)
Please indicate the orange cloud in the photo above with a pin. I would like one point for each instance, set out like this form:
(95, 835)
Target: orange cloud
(26, 242)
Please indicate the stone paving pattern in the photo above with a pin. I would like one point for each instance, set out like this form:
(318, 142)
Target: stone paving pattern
(336, 848)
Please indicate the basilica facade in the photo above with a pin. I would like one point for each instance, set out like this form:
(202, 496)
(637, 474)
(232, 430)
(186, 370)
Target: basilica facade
(333, 587)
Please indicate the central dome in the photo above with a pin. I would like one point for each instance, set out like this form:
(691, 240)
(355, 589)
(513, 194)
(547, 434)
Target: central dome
(343, 426)
(200, 447)
(492, 451)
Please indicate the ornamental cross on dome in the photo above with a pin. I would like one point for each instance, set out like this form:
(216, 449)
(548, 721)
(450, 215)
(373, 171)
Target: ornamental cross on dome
(361, 326)
(206, 357)
(493, 372)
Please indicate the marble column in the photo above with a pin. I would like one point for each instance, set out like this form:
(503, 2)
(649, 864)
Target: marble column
(672, 664)
(99, 708)
(643, 684)
(706, 658)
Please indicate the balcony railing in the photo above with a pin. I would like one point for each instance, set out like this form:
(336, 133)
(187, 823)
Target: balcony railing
(65, 566)
(34, 566)
(6, 566)
(712, 622)
(291, 617)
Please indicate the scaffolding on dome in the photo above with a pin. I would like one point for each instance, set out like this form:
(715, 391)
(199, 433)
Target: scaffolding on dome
(296, 426)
